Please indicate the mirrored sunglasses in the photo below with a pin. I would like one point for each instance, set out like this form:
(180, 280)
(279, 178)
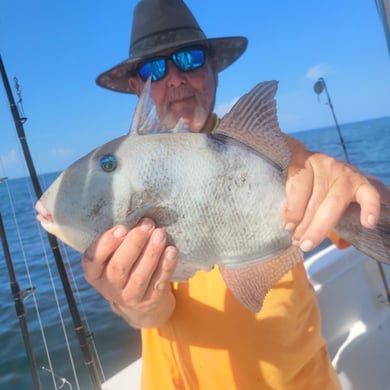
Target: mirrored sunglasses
(185, 60)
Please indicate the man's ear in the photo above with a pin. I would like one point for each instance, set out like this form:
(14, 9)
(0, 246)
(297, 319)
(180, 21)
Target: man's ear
(136, 85)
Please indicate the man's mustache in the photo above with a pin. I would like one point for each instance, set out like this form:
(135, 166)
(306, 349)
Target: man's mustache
(179, 93)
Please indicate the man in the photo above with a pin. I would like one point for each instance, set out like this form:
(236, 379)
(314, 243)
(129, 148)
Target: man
(196, 335)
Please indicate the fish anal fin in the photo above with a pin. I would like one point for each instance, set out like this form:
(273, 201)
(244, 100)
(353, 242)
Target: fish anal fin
(250, 284)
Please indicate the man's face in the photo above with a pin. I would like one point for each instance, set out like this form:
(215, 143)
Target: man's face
(187, 95)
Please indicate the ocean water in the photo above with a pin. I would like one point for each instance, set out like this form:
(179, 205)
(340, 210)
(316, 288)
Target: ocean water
(368, 145)
(116, 344)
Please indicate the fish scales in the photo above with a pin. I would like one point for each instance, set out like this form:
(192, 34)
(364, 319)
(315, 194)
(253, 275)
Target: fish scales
(207, 197)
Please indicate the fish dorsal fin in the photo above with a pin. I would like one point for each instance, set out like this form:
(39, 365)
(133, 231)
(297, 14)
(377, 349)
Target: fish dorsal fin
(253, 121)
(146, 121)
(145, 116)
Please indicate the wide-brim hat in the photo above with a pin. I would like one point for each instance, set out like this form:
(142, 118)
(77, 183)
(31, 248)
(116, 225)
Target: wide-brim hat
(163, 25)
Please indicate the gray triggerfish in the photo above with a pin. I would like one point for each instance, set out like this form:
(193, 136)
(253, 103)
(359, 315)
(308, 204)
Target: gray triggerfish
(220, 197)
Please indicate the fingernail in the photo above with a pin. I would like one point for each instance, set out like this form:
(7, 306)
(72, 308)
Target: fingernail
(146, 225)
(290, 227)
(371, 220)
(171, 254)
(158, 236)
(120, 231)
(306, 245)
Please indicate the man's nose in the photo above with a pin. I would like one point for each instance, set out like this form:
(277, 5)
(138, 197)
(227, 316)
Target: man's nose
(174, 76)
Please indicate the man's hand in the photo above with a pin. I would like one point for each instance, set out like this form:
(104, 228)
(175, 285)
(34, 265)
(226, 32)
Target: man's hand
(319, 189)
(132, 270)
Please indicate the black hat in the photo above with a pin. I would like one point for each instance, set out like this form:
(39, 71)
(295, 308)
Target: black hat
(160, 25)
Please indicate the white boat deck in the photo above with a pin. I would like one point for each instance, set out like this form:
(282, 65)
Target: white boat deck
(355, 315)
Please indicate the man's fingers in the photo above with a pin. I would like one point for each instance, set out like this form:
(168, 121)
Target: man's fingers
(107, 250)
(368, 198)
(318, 195)
(298, 191)
(131, 269)
(143, 269)
(327, 206)
(323, 221)
(161, 281)
(126, 257)
(96, 256)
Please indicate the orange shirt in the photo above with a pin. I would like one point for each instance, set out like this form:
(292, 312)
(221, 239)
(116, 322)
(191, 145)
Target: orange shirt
(212, 342)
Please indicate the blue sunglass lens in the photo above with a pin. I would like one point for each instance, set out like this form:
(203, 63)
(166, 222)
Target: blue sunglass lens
(185, 60)
(156, 68)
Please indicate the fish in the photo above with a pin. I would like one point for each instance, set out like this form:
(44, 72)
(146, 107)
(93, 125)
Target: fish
(220, 197)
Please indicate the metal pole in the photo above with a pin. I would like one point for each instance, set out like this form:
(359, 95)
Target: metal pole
(319, 86)
(84, 342)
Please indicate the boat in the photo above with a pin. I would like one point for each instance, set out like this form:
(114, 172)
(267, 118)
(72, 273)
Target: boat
(355, 307)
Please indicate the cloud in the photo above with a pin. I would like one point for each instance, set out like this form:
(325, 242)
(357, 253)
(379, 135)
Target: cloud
(60, 153)
(317, 71)
(12, 164)
(11, 157)
(223, 108)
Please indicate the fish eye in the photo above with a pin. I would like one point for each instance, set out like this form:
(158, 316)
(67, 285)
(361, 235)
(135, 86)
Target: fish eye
(108, 163)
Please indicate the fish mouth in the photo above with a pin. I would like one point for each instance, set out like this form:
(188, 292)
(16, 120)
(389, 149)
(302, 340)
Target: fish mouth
(69, 235)
(44, 217)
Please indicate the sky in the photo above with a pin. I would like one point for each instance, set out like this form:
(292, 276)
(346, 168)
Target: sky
(57, 48)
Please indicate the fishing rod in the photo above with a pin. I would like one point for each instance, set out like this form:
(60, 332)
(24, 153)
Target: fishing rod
(19, 296)
(83, 338)
(319, 87)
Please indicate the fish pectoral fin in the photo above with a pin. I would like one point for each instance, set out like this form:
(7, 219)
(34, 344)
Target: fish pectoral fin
(163, 216)
(250, 284)
(149, 204)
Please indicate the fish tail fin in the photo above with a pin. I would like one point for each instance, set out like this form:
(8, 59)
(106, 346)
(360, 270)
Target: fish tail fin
(251, 284)
(375, 242)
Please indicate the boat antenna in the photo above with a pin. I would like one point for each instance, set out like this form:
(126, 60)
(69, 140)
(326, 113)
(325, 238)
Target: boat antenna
(84, 340)
(319, 87)
(19, 296)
